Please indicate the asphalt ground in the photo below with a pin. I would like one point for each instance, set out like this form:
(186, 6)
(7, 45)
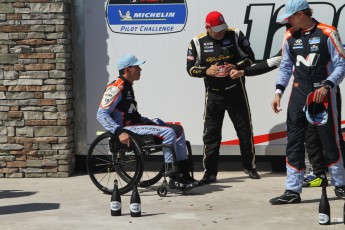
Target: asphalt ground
(234, 202)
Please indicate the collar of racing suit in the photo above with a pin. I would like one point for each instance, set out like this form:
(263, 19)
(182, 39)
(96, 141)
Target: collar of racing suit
(313, 27)
(125, 80)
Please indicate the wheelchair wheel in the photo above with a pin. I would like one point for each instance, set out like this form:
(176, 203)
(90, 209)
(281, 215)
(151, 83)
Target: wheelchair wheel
(151, 174)
(162, 191)
(109, 160)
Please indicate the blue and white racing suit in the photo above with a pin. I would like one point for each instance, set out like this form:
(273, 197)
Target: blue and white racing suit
(316, 58)
(118, 111)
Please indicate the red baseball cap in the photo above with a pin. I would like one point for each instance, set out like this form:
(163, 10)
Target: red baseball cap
(215, 20)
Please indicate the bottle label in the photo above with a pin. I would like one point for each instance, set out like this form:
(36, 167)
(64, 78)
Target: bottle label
(135, 207)
(115, 205)
(323, 218)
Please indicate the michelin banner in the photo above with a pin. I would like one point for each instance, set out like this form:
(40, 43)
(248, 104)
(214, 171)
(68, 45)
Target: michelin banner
(159, 31)
(146, 17)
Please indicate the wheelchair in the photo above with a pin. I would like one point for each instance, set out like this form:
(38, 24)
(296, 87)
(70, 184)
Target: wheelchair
(110, 160)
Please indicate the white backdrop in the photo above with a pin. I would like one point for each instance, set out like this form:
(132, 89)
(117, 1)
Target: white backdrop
(165, 89)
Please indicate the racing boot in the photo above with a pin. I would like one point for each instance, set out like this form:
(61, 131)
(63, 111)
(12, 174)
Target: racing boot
(340, 191)
(252, 173)
(179, 182)
(318, 181)
(185, 169)
(176, 177)
(173, 184)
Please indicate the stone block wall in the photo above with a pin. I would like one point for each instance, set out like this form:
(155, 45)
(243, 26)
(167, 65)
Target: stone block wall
(36, 89)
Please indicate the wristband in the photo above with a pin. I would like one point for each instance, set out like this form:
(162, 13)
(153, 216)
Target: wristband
(328, 87)
(279, 91)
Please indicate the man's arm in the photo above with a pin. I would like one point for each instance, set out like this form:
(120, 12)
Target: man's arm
(284, 75)
(111, 97)
(285, 68)
(259, 68)
(245, 51)
(194, 68)
(264, 66)
(337, 53)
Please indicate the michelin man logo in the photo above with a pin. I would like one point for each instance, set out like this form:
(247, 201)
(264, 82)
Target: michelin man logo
(127, 16)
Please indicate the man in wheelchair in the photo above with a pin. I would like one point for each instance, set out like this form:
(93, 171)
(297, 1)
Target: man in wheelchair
(118, 113)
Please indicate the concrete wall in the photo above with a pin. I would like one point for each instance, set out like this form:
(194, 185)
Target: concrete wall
(36, 89)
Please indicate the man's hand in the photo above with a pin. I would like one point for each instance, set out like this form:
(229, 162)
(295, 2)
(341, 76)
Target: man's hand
(319, 94)
(212, 70)
(158, 121)
(228, 68)
(220, 70)
(234, 73)
(124, 139)
(276, 103)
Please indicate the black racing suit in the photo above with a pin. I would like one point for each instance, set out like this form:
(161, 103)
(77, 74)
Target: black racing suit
(223, 94)
(317, 57)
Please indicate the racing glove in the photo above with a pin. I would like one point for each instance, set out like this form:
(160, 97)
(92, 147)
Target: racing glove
(158, 121)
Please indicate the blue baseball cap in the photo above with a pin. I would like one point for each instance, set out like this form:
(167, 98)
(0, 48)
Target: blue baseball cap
(291, 7)
(316, 113)
(127, 61)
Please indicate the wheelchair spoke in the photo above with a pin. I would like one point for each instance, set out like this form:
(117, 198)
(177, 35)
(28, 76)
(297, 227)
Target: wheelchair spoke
(108, 160)
(104, 151)
(153, 169)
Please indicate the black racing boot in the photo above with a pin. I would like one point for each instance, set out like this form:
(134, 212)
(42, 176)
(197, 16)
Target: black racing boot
(176, 177)
(184, 167)
(179, 182)
(252, 173)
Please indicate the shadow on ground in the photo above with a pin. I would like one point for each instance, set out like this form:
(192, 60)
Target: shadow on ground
(31, 207)
(4, 194)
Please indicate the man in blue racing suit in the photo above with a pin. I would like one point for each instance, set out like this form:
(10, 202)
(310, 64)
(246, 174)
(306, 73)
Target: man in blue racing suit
(118, 114)
(312, 140)
(315, 56)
